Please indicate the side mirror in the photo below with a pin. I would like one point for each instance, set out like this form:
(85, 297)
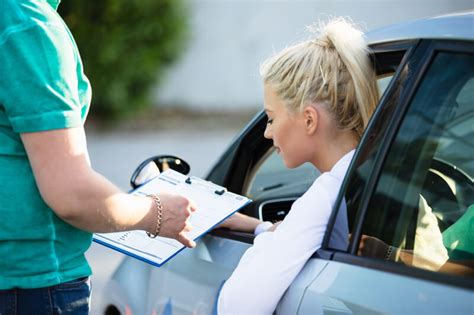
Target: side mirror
(152, 166)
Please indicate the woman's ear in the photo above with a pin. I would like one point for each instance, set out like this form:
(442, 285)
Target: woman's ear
(311, 116)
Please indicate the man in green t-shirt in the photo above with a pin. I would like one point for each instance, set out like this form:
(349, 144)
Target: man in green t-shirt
(51, 200)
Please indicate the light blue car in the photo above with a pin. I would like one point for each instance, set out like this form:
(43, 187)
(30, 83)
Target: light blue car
(410, 186)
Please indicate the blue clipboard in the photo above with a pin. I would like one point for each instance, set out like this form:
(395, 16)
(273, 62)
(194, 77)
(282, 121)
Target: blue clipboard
(214, 204)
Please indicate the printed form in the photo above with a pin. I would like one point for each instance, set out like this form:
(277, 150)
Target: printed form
(213, 203)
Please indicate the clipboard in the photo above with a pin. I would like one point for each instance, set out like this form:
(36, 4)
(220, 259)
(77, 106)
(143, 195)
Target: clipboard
(214, 204)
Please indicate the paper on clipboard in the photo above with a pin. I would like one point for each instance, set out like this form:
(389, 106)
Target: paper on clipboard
(213, 203)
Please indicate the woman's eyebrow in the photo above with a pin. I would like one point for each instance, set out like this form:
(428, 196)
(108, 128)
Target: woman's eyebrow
(266, 109)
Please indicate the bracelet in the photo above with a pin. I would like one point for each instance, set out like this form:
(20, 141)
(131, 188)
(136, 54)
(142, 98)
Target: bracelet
(159, 213)
(389, 253)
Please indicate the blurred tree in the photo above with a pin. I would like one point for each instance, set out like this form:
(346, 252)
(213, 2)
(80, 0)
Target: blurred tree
(124, 46)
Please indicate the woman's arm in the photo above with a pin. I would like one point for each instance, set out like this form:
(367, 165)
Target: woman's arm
(267, 269)
(240, 222)
(86, 199)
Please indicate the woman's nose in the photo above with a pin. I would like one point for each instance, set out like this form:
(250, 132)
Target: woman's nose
(267, 134)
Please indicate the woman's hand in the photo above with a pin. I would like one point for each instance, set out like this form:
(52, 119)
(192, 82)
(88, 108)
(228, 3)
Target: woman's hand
(274, 226)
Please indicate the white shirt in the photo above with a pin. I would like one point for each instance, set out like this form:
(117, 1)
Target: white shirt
(268, 268)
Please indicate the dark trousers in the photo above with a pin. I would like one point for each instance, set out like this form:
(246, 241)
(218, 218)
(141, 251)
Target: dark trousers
(71, 297)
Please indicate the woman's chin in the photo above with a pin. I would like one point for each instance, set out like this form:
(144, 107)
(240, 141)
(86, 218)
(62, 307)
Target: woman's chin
(290, 164)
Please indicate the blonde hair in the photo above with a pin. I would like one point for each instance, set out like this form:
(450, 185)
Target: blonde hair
(333, 70)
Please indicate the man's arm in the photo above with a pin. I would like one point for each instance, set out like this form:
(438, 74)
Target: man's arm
(86, 199)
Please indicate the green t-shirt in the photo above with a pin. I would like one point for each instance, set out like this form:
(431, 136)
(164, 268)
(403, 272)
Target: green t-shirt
(459, 237)
(42, 87)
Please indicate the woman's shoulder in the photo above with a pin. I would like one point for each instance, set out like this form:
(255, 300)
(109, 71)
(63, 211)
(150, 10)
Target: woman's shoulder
(319, 193)
(326, 182)
(324, 189)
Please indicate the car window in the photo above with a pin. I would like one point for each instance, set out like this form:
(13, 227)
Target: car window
(421, 213)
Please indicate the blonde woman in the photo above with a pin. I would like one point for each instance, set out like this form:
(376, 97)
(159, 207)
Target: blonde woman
(319, 96)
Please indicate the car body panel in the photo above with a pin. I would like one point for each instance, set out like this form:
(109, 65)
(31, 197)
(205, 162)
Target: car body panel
(187, 284)
(451, 26)
(347, 289)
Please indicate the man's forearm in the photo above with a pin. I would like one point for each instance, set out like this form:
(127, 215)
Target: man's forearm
(86, 199)
(90, 202)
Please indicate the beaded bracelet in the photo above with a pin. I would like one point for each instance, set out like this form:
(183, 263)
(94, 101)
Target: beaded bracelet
(159, 212)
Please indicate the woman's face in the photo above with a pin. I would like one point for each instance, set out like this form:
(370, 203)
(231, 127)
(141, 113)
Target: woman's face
(286, 129)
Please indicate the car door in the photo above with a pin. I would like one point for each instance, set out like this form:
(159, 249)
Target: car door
(250, 167)
(410, 188)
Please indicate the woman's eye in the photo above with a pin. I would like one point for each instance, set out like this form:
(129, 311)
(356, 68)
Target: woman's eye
(269, 121)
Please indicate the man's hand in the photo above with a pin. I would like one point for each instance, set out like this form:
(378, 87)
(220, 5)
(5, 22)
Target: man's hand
(372, 246)
(175, 221)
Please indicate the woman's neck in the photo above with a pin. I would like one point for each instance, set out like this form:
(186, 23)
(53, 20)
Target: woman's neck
(332, 150)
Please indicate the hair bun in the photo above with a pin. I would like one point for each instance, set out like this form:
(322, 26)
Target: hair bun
(342, 34)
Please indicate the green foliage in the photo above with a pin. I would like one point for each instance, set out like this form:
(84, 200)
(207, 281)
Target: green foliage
(125, 46)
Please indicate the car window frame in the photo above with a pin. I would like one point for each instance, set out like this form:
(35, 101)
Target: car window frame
(420, 57)
(240, 158)
(236, 158)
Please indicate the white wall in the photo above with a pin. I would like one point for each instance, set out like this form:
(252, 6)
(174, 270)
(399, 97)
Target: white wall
(229, 39)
